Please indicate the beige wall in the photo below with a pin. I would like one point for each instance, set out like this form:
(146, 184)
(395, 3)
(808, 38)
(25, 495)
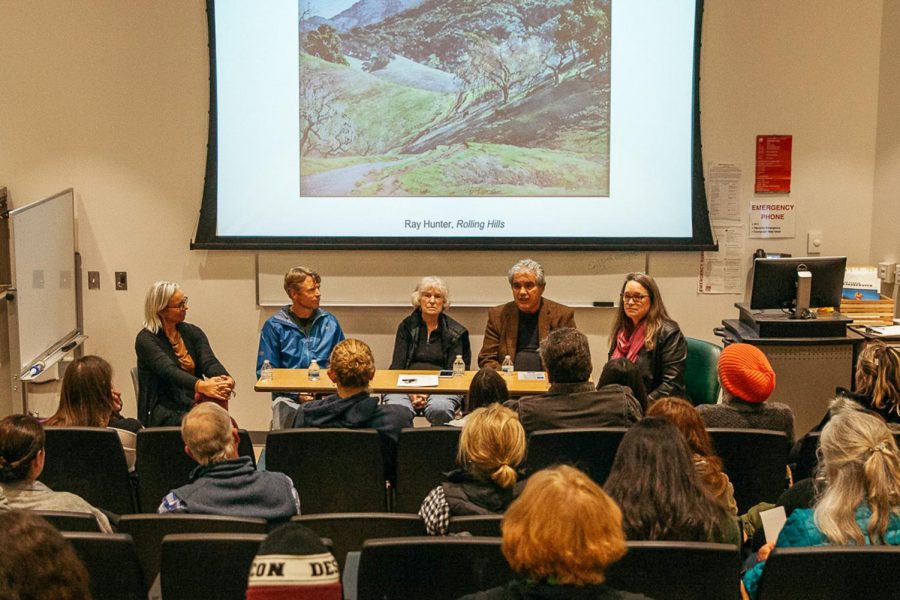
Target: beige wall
(110, 97)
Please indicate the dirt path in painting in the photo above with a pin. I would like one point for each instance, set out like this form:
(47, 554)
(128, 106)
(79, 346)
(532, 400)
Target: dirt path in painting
(340, 182)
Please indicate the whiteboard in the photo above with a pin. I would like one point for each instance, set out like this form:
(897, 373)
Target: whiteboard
(475, 278)
(42, 256)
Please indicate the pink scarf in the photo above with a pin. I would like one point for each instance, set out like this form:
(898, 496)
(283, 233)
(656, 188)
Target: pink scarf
(629, 346)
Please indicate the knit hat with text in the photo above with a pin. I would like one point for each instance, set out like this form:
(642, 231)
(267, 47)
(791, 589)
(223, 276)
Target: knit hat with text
(293, 562)
(745, 373)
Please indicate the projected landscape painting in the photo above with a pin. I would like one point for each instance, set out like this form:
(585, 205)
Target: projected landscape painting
(454, 97)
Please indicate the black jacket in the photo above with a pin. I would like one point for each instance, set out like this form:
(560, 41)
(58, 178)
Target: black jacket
(165, 390)
(455, 341)
(540, 590)
(577, 405)
(663, 367)
(467, 495)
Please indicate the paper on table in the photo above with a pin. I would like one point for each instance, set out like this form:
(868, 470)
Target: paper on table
(532, 376)
(772, 521)
(417, 380)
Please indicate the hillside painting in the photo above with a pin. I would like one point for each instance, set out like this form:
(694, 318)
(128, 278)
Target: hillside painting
(455, 98)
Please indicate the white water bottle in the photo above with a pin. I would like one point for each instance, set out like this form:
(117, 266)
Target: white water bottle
(507, 366)
(459, 366)
(265, 372)
(313, 371)
(36, 369)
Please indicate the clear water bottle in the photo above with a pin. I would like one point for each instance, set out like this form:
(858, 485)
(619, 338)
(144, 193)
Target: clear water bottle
(507, 366)
(313, 371)
(459, 366)
(265, 372)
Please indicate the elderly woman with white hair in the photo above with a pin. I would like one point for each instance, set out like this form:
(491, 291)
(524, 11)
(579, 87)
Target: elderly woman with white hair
(174, 360)
(430, 340)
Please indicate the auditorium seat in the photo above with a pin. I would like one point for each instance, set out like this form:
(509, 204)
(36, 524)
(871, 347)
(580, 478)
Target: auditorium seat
(424, 454)
(591, 449)
(480, 525)
(111, 563)
(89, 462)
(756, 462)
(207, 565)
(437, 568)
(148, 531)
(701, 376)
(678, 570)
(334, 470)
(832, 573)
(162, 464)
(348, 531)
(71, 521)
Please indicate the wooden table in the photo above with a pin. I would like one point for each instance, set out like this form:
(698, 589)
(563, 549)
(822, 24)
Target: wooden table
(297, 380)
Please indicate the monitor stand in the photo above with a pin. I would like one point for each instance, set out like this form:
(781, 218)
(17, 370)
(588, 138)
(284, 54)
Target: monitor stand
(801, 303)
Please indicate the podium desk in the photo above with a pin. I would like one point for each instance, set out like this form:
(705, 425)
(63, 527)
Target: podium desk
(297, 380)
(807, 369)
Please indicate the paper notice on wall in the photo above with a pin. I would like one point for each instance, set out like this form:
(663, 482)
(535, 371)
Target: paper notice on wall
(723, 182)
(721, 272)
(772, 219)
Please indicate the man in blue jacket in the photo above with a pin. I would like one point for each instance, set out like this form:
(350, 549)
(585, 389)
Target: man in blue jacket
(297, 334)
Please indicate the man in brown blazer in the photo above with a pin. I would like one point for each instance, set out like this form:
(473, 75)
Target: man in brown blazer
(517, 328)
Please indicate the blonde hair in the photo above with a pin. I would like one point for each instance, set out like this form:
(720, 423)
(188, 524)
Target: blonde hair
(861, 464)
(352, 363)
(878, 376)
(296, 276)
(430, 283)
(207, 431)
(563, 526)
(492, 444)
(157, 299)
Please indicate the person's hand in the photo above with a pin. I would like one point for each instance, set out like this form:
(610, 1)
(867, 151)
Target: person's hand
(227, 380)
(219, 390)
(764, 552)
(418, 400)
(116, 401)
(306, 398)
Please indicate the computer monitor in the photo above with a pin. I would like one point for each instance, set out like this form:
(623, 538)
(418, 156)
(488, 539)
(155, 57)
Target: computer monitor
(796, 284)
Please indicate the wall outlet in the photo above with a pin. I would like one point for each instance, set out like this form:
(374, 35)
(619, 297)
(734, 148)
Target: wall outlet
(887, 271)
(814, 242)
(121, 280)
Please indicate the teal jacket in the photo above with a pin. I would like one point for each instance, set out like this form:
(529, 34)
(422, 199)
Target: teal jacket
(800, 530)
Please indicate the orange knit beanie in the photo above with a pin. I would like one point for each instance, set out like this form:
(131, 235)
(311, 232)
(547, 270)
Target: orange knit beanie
(745, 373)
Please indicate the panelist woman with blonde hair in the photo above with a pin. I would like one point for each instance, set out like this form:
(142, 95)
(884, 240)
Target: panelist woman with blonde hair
(174, 360)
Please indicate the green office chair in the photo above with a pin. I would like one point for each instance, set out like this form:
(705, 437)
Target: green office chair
(701, 377)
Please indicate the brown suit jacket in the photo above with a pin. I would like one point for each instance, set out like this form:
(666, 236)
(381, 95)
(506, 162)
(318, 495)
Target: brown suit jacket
(503, 328)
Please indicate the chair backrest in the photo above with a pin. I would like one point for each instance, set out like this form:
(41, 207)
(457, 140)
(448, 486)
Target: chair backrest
(135, 381)
(701, 376)
(89, 462)
(481, 525)
(111, 563)
(71, 521)
(334, 470)
(162, 464)
(832, 572)
(207, 565)
(678, 570)
(148, 531)
(434, 568)
(424, 454)
(755, 460)
(591, 449)
(348, 531)
(807, 460)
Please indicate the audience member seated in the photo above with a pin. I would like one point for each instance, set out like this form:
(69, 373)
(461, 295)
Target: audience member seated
(655, 483)
(297, 334)
(226, 483)
(292, 562)
(644, 334)
(430, 340)
(861, 500)
(487, 387)
(37, 563)
(491, 447)
(621, 371)
(747, 382)
(709, 466)
(88, 398)
(21, 462)
(174, 360)
(515, 329)
(572, 400)
(560, 536)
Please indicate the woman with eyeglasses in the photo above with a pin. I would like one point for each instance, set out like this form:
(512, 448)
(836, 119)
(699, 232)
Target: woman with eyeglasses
(644, 334)
(175, 360)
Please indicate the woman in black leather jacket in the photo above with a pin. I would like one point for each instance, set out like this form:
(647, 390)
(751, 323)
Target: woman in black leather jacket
(644, 334)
